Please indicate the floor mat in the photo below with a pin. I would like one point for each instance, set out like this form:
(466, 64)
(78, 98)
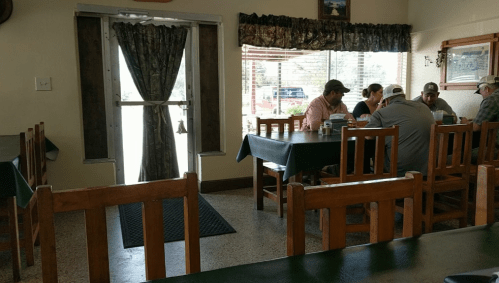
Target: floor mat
(211, 223)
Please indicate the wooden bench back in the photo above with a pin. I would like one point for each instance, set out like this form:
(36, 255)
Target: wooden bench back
(488, 180)
(334, 199)
(94, 202)
(272, 122)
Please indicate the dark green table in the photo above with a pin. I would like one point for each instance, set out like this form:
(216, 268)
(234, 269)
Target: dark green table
(428, 258)
(298, 151)
(12, 182)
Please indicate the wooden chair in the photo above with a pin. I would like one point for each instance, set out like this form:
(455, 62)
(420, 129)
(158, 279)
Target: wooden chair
(486, 156)
(361, 135)
(40, 159)
(26, 162)
(94, 202)
(333, 200)
(448, 177)
(487, 194)
(297, 121)
(275, 193)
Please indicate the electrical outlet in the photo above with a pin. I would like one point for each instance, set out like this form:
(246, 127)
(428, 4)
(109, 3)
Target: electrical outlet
(43, 84)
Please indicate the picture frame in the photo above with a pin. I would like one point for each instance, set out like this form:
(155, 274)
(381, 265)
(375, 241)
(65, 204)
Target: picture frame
(338, 10)
(466, 60)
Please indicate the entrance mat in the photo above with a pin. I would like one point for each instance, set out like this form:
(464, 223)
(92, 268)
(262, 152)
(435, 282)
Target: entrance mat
(211, 223)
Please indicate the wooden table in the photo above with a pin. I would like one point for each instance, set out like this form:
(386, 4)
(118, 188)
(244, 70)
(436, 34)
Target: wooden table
(428, 258)
(12, 182)
(298, 151)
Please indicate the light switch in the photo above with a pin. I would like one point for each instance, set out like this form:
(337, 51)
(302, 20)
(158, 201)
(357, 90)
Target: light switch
(43, 83)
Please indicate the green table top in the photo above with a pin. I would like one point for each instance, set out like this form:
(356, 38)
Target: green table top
(12, 182)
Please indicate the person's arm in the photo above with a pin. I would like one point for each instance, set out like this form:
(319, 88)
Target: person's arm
(446, 107)
(314, 117)
(374, 122)
(476, 127)
(344, 110)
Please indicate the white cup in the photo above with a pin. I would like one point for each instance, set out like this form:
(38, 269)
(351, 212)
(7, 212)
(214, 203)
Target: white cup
(438, 115)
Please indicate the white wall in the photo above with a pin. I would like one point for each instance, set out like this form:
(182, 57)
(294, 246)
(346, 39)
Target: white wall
(39, 41)
(437, 21)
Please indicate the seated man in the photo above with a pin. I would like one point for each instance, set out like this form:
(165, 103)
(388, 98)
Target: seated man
(429, 96)
(328, 103)
(414, 120)
(488, 88)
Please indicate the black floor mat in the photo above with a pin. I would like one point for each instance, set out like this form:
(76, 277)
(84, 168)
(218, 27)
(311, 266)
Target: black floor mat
(211, 223)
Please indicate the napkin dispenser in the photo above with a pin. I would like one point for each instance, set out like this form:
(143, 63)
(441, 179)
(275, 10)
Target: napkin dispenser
(336, 125)
(448, 119)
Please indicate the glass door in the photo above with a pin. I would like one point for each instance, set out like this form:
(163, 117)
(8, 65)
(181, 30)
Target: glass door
(129, 118)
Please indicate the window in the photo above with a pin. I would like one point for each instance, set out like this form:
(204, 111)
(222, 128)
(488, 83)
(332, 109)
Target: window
(300, 76)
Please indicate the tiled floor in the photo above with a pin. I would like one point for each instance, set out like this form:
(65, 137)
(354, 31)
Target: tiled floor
(260, 236)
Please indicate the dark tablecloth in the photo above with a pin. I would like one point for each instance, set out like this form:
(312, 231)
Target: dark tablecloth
(298, 151)
(12, 182)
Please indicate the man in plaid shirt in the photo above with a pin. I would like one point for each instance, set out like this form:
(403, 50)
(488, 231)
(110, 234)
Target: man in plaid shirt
(488, 87)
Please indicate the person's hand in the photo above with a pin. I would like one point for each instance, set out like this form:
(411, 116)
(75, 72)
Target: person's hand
(381, 104)
(349, 116)
(464, 120)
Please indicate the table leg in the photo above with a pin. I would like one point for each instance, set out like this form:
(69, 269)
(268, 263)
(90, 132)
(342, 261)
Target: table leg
(258, 182)
(14, 238)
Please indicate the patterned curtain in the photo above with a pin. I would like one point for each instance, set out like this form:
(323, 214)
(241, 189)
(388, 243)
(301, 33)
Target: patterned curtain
(153, 55)
(286, 32)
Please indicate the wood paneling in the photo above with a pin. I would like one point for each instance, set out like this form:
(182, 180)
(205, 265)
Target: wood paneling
(92, 87)
(210, 88)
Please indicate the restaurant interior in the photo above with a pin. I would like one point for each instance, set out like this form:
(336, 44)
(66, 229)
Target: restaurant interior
(39, 42)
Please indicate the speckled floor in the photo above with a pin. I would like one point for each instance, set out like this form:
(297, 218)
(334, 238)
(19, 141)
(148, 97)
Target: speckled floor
(260, 236)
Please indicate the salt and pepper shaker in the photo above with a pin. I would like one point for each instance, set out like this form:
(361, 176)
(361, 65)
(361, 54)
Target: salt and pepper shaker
(350, 123)
(328, 131)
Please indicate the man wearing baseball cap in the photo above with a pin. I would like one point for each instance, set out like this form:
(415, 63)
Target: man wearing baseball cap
(414, 120)
(488, 88)
(429, 96)
(326, 104)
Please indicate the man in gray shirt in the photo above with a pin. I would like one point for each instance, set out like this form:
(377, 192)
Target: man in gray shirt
(429, 96)
(414, 120)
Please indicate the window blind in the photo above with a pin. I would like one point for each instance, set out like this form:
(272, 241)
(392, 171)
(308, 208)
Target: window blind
(300, 75)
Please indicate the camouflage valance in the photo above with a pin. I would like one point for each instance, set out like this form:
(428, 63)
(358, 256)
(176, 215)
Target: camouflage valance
(307, 34)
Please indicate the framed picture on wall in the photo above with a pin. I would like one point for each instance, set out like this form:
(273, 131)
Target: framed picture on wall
(466, 60)
(334, 10)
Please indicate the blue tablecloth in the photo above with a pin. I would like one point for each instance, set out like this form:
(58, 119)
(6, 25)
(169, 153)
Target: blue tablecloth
(12, 182)
(298, 151)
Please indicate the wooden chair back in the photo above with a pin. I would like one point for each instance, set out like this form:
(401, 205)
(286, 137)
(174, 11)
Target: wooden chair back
(488, 144)
(27, 157)
(282, 124)
(362, 135)
(487, 197)
(438, 162)
(297, 121)
(94, 202)
(11, 210)
(334, 199)
(40, 159)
